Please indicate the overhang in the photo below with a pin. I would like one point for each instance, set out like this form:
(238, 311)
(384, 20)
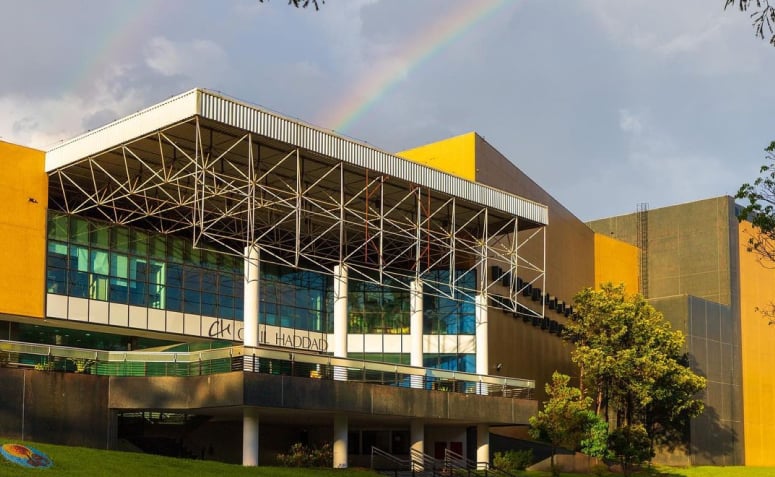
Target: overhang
(232, 175)
(237, 114)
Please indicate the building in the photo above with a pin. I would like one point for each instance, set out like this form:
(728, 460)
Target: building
(369, 278)
(698, 272)
(408, 302)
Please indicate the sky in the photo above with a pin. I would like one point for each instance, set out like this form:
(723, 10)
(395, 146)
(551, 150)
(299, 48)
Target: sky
(605, 104)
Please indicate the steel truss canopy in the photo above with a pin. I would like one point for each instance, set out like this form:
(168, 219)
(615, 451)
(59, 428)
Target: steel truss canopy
(232, 175)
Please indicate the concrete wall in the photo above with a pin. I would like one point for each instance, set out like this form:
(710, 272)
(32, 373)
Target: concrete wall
(691, 248)
(757, 282)
(24, 196)
(60, 408)
(713, 346)
(694, 280)
(310, 395)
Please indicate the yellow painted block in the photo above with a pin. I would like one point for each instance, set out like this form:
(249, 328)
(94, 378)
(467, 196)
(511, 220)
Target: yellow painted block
(456, 155)
(757, 283)
(24, 198)
(616, 262)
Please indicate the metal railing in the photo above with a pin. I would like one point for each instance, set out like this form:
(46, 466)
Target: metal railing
(261, 360)
(385, 462)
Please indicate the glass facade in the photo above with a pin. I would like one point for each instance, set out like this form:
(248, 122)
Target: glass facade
(108, 262)
(89, 259)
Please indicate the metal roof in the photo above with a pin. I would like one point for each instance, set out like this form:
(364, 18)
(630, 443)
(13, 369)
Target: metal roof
(237, 114)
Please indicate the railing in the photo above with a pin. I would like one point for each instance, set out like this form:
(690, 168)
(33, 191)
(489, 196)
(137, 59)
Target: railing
(384, 462)
(427, 463)
(262, 360)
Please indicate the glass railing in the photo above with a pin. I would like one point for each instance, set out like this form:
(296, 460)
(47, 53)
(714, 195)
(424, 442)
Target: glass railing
(261, 360)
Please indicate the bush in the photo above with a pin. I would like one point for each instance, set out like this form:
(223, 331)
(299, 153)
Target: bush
(300, 455)
(513, 460)
(599, 470)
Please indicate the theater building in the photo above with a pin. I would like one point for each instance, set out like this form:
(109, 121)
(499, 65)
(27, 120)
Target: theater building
(218, 281)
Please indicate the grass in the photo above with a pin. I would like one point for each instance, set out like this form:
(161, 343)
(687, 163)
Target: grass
(81, 461)
(84, 462)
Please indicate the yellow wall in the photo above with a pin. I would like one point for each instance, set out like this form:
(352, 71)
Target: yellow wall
(616, 262)
(757, 340)
(23, 201)
(455, 155)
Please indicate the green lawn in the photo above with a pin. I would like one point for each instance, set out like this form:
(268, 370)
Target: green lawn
(80, 461)
(83, 462)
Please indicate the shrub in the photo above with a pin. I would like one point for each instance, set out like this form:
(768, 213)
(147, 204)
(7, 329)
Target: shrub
(300, 455)
(599, 470)
(513, 460)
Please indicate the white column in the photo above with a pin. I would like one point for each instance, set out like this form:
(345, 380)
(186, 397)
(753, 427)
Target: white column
(482, 345)
(415, 329)
(251, 297)
(340, 441)
(340, 319)
(482, 445)
(417, 437)
(250, 437)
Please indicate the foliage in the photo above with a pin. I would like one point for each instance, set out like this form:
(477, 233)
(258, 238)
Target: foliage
(599, 470)
(762, 17)
(760, 209)
(633, 365)
(631, 446)
(513, 460)
(595, 443)
(300, 455)
(565, 419)
(304, 3)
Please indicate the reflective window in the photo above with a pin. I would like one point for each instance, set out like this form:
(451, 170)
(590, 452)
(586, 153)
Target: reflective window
(110, 262)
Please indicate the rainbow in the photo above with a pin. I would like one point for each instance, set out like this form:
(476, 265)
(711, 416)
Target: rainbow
(119, 32)
(381, 79)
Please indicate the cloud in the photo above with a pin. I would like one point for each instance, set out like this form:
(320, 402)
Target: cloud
(629, 122)
(661, 162)
(201, 60)
(41, 122)
(698, 35)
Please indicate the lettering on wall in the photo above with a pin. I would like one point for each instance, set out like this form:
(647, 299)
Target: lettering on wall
(304, 342)
(219, 329)
(223, 329)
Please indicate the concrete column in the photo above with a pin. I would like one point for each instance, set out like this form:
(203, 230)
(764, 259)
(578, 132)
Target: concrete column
(251, 297)
(415, 329)
(340, 441)
(417, 438)
(250, 437)
(482, 345)
(340, 319)
(482, 445)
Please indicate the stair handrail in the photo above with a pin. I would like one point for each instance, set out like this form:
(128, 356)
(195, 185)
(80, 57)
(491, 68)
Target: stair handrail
(402, 464)
(425, 461)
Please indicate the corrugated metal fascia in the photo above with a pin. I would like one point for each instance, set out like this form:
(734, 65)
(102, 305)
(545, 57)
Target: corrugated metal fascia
(223, 109)
(118, 132)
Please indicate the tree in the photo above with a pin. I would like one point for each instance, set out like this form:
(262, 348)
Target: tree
(763, 16)
(633, 366)
(566, 419)
(304, 3)
(760, 211)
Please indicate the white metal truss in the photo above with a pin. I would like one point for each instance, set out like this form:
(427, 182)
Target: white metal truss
(231, 189)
